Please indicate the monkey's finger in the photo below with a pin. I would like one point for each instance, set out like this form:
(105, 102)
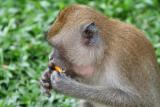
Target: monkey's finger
(44, 80)
(45, 85)
(46, 77)
(55, 76)
(47, 74)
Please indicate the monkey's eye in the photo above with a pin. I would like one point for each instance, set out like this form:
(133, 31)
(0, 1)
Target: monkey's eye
(90, 34)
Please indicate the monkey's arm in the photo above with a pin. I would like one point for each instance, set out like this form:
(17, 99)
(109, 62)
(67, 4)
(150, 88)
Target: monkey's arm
(107, 95)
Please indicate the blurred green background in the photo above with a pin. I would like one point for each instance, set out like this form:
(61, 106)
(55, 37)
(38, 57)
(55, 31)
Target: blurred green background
(24, 50)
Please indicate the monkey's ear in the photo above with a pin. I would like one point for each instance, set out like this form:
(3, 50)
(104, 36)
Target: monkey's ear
(90, 33)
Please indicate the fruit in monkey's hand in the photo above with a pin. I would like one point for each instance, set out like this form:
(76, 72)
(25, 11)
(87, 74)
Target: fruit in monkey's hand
(52, 67)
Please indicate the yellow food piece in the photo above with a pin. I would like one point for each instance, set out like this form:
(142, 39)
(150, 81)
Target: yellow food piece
(57, 68)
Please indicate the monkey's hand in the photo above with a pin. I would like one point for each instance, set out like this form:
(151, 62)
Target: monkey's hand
(60, 82)
(54, 80)
(46, 83)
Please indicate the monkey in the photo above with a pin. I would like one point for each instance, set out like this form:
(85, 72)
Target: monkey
(107, 63)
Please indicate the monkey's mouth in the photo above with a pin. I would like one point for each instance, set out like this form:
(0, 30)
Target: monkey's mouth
(53, 67)
(60, 62)
(64, 66)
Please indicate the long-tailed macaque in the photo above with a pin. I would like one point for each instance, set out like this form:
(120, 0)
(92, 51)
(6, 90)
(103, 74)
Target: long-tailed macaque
(107, 63)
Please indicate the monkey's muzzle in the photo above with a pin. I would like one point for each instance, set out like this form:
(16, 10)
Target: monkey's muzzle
(52, 67)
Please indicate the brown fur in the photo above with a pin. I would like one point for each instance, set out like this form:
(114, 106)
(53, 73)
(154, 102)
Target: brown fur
(124, 48)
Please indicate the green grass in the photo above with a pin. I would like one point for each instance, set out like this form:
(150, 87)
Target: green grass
(24, 50)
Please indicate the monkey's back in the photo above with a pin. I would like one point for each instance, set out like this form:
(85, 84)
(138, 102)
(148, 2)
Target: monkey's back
(136, 58)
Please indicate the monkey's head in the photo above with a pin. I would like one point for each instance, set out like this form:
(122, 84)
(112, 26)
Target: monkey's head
(77, 40)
